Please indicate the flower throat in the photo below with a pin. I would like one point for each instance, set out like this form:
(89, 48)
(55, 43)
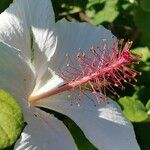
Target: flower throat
(102, 69)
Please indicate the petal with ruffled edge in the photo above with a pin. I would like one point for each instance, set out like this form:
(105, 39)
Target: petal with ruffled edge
(16, 73)
(102, 123)
(27, 25)
(43, 132)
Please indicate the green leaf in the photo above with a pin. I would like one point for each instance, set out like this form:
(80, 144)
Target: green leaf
(144, 52)
(143, 67)
(108, 13)
(133, 109)
(145, 4)
(11, 120)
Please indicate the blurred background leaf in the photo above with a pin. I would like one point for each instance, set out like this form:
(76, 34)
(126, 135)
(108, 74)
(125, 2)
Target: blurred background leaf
(104, 11)
(133, 109)
(145, 4)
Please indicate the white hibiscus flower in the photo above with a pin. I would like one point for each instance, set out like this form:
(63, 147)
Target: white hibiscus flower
(32, 48)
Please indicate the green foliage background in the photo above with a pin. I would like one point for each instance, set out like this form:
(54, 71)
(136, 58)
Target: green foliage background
(128, 19)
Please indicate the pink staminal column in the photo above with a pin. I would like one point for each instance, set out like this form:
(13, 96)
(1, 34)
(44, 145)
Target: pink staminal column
(101, 70)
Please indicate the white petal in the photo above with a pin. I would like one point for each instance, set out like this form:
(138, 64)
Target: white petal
(44, 132)
(73, 36)
(27, 25)
(48, 81)
(14, 28)
(104, 124)
(42, 22)
(16, 73)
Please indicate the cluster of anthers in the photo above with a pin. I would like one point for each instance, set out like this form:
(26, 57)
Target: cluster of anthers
(99, 71)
